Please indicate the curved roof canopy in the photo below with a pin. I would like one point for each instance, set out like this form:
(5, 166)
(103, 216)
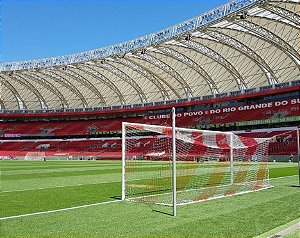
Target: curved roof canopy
(240, 45)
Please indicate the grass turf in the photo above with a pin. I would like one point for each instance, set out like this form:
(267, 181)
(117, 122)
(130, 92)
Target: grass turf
(238, 216)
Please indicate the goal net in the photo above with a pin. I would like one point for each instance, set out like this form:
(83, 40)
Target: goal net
(208, 164)
(34, 156)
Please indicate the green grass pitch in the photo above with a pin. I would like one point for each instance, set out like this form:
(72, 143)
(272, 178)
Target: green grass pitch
(37, 186)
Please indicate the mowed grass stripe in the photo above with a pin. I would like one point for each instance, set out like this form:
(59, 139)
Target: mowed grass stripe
(50, 170)
(282, 172)
(27, 162)
(245, 220)
(11, 185)
(102, 177)
(53, 164)
(61, 174)
(57, 165)
(45, 165)
(57, 198)
(237, 216)
(46, 169)
(30, 184)
(41, 188)
(12, 166)
(28, 174)
(96, 171)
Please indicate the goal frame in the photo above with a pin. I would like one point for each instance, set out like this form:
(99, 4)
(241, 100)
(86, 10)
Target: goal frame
(174, 198)
(30, 155)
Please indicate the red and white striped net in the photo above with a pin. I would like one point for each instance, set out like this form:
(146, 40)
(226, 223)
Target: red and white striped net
(204, 170)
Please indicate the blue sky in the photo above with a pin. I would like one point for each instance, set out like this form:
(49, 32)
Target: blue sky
(32, 29)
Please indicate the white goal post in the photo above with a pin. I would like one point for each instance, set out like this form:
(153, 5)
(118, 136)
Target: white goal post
(175, 166)
(35, 156)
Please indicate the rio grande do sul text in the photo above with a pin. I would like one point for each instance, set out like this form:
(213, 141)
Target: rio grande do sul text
(283, 103)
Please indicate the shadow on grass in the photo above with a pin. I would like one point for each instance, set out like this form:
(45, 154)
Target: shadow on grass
(118, 197)
(158, 209)
(162, 212)
(295, 186)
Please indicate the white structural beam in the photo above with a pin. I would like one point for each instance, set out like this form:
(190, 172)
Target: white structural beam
(245, 50)
(94, 73)
(202, 49)
(119, 73)
(77, 77)
(43, 81)
(19, 100)
(158, 81)
(192, 64)
(166, 68)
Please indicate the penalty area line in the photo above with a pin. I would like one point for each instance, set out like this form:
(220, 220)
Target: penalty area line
(59, 210)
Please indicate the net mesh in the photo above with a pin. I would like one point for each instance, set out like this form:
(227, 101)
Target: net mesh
(34, 156)
(208, 164)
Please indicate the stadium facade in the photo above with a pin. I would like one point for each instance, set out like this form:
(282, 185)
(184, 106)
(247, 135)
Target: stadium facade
(236, 67)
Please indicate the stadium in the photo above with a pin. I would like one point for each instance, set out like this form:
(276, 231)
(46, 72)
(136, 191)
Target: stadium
(81, 133)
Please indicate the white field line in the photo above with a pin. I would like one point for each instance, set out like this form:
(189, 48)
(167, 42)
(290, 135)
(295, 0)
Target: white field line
(236, 194)
(58, 210)
(287, 231)
(212, 198)
(191, 201)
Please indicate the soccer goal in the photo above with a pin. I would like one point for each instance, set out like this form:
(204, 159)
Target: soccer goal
(176, 166)
(34, 156)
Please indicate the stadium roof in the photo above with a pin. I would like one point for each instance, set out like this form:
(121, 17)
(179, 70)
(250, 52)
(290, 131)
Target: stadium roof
(240, 45)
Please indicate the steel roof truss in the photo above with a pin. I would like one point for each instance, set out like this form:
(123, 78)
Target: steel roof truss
(68, 85)
(30, 87)
(284, 13)
(119, 73)
(147, 74)
(191, 63)
(84, 82)
(44, 83)
(169, 70)
(245, 50)
(20, 102)
(219, 59)
(95, 74)
(270, 37)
